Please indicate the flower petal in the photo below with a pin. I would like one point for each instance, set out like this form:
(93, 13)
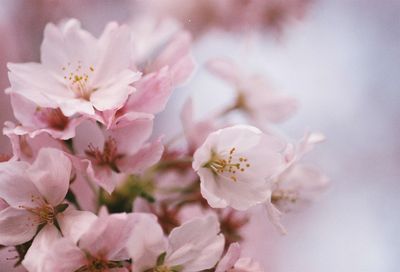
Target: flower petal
(64, 256)
(16, 226)
(74, 223)
(51, 173)
(15, 186)
(39, 250)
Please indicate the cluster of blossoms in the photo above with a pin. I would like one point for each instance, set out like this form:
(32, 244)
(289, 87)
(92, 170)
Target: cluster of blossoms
(89, 188)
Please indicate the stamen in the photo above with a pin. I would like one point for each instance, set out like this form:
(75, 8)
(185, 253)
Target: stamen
(108, 156)
(220, 165)
(77, 79)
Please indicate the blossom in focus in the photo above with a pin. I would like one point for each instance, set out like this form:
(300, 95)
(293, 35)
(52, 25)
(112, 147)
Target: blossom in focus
(35, 120)
(100, 248)
(34, 194)
(194, 246)
(233, 262)
(168, 64)
(26, 147)
(254, 96)
(122, 150)
(235, 164)
(78, 73)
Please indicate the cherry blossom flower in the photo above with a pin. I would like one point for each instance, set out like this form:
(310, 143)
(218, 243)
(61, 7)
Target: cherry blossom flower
(258, 100)
(297, 183)
(232, 262)
(78, 73)
(235, 164)
(34, 193)
(122, 150)
(194, 246)
(100, 248)
(72, 223)
(25, 147)
(171, 66)
(36, 120)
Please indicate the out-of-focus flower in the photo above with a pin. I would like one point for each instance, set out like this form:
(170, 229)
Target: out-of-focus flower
(78, 73)
(123, 150)
(36, 120)
(34, 194)
(195, 131)
(254, 96)
(100, 248)
(235, 164)
(194, 246)
(232, 262)
(297, 183)
(232, 15)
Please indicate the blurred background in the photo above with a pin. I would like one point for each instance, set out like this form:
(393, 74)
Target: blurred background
(340, 59)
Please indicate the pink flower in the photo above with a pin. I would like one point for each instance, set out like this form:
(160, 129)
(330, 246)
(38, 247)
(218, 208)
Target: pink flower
(235, 164)
(122, 150)
(232, 262)
(36, 120)
(258, 100)
(194, 246)
(78, 73)
(297, 183)
(162, 73)
(100, 248)
(25, 147)
(34, 194)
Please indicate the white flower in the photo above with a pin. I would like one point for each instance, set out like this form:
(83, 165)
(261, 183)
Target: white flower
(235, 165)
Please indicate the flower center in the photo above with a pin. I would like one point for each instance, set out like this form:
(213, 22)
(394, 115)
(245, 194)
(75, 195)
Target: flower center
(280, 195)
(77, 77)
(43, 213)
(95, 264)
(54, 118)
(108, 156)
(230, 164)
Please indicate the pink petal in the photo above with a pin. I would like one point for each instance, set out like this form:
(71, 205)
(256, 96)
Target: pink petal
(64, 256)
(74, 223)
(108, 235)
(152, 93)
(16, 226)
(66, 43)
(36, 83)
(177, 57)
(114, 52)
(130, 136)
(275, 216)
(40, 249)
(147, 156)
(15, 186)
(113, 96)
(51, 173)
(230, 258)
(197, 244)
(146, 242)
(225, 69)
